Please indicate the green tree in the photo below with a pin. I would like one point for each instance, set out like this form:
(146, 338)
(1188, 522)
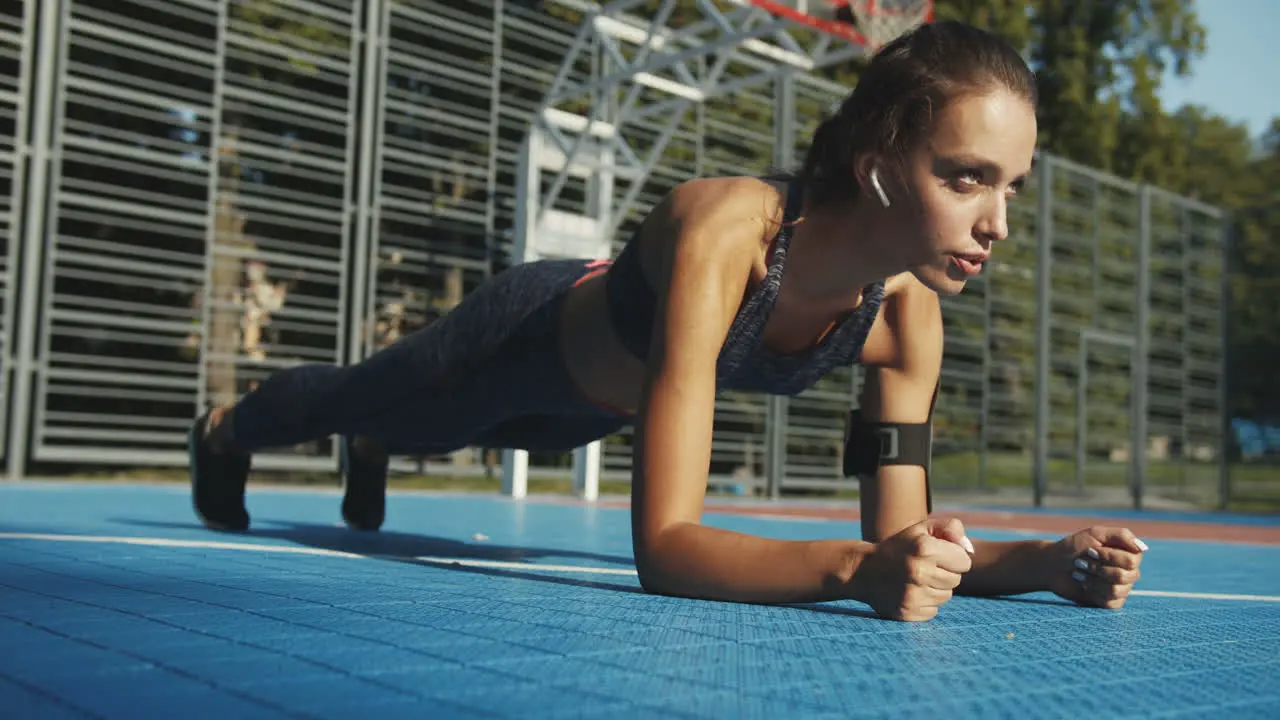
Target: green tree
(1214, 160)
(1099, 66)
(1255, 285)
(1208, 158)
(1007, 18)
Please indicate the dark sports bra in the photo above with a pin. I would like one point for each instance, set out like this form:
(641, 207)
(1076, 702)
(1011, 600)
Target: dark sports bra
(744, 364)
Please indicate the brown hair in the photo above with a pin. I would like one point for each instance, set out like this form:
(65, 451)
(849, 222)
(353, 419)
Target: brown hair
(895, 100)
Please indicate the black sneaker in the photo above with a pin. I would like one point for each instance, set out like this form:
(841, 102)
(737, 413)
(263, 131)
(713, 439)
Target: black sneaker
(217, 482)
(364, 488)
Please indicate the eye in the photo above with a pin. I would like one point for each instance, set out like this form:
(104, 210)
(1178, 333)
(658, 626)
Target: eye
(966, 180)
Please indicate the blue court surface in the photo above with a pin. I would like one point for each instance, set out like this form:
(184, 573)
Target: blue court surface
(116, 603)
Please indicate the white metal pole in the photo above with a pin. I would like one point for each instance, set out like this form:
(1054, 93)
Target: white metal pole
(33, 237)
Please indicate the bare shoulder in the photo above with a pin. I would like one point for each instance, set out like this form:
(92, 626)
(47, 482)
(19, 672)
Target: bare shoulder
(714, 220)
(908, 329)
(713, 209)
(906, 299)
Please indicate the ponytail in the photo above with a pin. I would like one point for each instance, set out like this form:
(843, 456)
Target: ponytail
(827, 170)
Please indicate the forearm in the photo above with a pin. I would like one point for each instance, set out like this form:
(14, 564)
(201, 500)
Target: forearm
(1006, 568)
(692, 560)
(892, 500)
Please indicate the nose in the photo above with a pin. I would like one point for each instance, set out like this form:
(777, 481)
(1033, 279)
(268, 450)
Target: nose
(993, 224)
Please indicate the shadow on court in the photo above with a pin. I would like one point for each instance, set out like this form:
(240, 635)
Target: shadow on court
(409, 548)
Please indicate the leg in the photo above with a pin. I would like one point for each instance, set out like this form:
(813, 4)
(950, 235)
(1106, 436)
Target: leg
(311, 402)
(494, 358)
(364, 460)
(300, 405)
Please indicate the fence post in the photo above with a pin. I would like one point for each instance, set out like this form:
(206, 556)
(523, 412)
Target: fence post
(776, 406)
(32, 239)
(1141, 350)
(984, 413)
(362, 308)
(1044, 315)
(18, 199)
(491, 244)
(1224, 363)
(209, 277)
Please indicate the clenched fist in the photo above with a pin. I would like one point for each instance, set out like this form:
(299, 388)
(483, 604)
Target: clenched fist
(910, 575)
(1096, 567)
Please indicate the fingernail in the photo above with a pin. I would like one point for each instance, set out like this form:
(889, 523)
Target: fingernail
(1078, 576)
(1142, 546)
(1092, 552)
(1082, 563)
(967, 545)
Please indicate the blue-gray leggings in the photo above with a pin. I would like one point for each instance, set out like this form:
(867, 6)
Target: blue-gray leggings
(487, 374)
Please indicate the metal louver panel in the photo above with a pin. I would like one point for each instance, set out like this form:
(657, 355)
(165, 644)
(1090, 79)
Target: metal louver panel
(199, 214)
(17, 38)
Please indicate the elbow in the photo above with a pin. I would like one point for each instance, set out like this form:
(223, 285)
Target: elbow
(659, 582)
(653, 566)
(649, 570)
(652, 582)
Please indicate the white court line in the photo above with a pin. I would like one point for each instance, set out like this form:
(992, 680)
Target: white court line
(167, 542)
(253, 547)
(1206, 596)
(470, 562)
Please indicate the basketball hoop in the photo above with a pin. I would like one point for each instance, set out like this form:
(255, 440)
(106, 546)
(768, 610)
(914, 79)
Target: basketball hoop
(869, 23)
(880, 21)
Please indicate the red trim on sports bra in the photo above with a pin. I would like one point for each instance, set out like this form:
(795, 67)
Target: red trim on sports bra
(597, 267)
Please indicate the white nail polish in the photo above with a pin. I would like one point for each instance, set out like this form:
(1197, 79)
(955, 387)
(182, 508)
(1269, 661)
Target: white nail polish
(1078, 576)
(1092, 552)
(1143, 546)
(1082, 563)
(967, 544)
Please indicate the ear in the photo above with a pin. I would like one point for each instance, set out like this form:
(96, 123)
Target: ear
(871, 178)
(862, 168)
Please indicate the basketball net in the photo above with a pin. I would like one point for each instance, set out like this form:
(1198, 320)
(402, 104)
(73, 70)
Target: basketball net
(880, 21)
(869, 23)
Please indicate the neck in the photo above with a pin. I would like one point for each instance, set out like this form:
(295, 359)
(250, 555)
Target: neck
(835, 253)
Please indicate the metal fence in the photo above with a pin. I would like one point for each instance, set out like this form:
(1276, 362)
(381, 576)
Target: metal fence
(200, 192)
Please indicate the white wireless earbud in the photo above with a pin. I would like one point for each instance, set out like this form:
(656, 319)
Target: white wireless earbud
(875, 185)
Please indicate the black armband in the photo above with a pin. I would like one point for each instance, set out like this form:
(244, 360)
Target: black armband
(869, 446)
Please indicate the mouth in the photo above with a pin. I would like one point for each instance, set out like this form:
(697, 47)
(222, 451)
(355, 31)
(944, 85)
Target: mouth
(970, 264)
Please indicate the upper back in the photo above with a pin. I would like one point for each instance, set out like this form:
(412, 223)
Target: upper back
(744, 222)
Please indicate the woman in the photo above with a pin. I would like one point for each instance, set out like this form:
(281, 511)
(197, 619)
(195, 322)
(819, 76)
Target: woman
(760, 284)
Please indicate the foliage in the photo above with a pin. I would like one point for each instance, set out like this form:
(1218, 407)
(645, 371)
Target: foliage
(1255, 283)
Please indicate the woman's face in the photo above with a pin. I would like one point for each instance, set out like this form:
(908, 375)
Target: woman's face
(956, 186)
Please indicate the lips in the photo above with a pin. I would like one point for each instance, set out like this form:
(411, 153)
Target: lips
(970, 264)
